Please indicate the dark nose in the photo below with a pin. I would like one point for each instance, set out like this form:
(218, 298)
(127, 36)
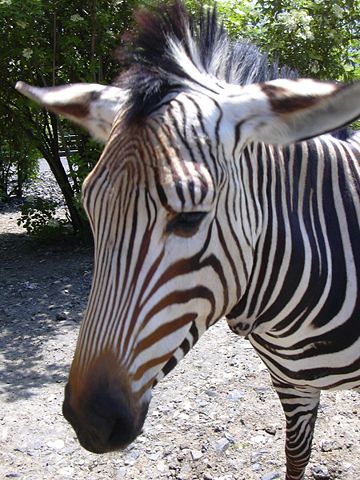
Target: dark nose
(104, 420)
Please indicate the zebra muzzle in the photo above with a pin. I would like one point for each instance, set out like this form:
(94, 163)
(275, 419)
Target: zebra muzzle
(105, 421)
(104, 413)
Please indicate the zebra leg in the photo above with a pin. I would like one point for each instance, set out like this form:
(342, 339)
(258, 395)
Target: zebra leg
(300, 406)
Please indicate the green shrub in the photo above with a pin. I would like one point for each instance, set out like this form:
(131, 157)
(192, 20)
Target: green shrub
(18, 163)
(38, 217)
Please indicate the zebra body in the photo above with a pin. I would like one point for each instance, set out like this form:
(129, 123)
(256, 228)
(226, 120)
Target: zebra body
(208, 202)
(301, 304)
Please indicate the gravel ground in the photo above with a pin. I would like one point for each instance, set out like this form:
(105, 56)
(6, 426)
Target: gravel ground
(214, 417)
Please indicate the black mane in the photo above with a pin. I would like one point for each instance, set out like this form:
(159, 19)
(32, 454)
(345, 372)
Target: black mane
(152, 71)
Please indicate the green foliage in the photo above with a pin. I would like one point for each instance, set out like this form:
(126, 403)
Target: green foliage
(52, 43)
(18, 164)
(320, 39)
(38, 217)
(83, 160)
(61, 41)
(317, 38)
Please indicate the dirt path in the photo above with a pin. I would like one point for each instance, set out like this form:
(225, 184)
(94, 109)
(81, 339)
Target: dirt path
(215, 417)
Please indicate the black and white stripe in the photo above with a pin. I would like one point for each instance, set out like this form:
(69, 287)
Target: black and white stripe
(197, 215)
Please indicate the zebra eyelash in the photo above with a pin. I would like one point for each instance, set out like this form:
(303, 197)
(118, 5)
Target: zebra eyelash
(185, 224)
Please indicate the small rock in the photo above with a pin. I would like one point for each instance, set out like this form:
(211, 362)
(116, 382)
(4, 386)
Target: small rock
(271, 476)
(258, 439)
(320, 472)
(329, 446)
(56, 444)
(121, 472)
(37, 445)
(66, 471)
(30, 286)
(132, 456)
(4, 431)
(187, 405)
(222, 445)
(211, 393)
(196, 454)
(270, 429)
(229, 437)
(153, 456)
(255, 457)
(185, 473)
(235, 395)
(182, 416)
(167, 452)
(208, 477)
(161, 467)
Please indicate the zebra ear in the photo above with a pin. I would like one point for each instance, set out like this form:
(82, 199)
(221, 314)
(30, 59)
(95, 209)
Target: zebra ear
(286, 111)
(90, 105)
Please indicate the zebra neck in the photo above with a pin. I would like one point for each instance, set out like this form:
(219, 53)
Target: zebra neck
(308, 196)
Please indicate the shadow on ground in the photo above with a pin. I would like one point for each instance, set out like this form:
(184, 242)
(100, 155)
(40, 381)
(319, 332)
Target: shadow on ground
(43, 293)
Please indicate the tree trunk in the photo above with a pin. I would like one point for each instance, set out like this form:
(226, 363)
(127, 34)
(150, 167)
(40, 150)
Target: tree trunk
(78, 221)
(52, 156)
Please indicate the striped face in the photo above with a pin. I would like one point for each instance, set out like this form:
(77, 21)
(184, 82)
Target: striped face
(163, 269)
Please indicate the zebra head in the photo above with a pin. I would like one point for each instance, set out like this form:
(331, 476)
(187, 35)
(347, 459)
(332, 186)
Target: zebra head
(174, 203)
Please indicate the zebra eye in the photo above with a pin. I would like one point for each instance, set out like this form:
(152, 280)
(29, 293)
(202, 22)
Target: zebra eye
(185, 224)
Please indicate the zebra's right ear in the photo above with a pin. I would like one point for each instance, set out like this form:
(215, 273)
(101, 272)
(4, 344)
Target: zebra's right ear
(90, 105)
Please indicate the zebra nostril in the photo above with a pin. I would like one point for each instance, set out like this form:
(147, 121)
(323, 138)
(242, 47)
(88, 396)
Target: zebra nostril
(104, 421)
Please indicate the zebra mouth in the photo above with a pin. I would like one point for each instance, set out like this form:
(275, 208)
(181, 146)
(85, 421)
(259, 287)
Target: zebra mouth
(105, 422)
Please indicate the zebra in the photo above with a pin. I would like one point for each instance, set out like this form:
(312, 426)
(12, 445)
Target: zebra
(219, 193)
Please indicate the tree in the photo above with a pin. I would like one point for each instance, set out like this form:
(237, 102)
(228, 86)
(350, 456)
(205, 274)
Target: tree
(320, 39)
(51, 43)
(62, 41)
(18, 163)
(317, 38)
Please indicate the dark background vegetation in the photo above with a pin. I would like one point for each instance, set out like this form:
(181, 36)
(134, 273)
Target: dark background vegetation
(54, 42)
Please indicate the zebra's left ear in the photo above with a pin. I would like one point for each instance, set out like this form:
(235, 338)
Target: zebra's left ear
(286, 111)
(90, 105)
